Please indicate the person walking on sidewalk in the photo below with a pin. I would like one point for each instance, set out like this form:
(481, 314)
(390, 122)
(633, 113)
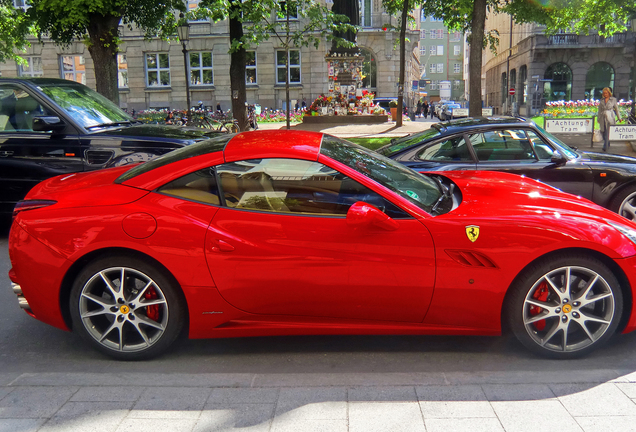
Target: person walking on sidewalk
(607, 115)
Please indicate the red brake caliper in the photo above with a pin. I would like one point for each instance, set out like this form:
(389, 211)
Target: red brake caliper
(540, 294)
(152, 311)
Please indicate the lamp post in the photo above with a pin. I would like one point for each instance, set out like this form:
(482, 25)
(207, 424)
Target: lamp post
(183, 31)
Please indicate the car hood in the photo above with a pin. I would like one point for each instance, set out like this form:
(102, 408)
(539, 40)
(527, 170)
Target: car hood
(496, 194)
(605, 157)
(167, 132)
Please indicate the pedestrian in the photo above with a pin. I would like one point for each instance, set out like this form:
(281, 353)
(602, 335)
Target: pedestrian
(218, 108)
(432, 109)
(418, 112)
(170, 118)
(425, 109)
(607, 115)
(304, 104)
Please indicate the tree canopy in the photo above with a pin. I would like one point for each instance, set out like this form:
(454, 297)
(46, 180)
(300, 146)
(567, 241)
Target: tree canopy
(15, 25)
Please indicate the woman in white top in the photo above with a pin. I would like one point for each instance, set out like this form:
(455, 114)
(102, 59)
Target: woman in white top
(606, 118)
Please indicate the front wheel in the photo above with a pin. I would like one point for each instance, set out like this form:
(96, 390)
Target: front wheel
(127, 308)
(565, 307)
(624, 203)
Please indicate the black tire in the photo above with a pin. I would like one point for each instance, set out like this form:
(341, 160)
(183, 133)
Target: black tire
(624, 203)
(570, 324)
(128, 330)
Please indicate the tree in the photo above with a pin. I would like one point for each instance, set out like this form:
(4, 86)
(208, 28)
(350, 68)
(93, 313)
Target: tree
(14, 28)
(97, 24)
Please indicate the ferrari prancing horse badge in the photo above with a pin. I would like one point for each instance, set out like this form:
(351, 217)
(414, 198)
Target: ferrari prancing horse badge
(472, 231)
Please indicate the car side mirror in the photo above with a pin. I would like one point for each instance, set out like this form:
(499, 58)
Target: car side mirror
(47, 123)
(363, 214)
(558, 159)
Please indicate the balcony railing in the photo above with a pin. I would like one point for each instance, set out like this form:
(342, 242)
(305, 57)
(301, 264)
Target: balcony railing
(563, 39)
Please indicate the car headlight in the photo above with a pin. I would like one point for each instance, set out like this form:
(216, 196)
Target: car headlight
(630, 233)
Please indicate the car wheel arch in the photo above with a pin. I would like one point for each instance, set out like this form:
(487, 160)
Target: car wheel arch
(609, 262)
(612, 198)
(79, 264)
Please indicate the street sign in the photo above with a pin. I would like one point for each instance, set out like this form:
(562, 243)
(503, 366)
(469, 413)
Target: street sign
(486, 112)
(580, 125)
(459, 112)
(622, 133)
(511, 92)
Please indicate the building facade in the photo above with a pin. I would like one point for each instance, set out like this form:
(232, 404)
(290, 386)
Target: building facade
(441, 58)
(152, 74)
(541, 68)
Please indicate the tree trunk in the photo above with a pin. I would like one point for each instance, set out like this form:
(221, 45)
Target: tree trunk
(237, 70)
(405, 13)
(103, 32)
(474, 63)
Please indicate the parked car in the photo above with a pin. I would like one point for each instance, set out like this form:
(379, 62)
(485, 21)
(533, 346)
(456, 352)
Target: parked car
(292, 232)
(519, 146)
(447, 110)
(384, 103)
(52, 126)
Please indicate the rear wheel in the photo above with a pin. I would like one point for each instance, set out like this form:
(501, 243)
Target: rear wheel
(565, 307)
(126, 308)
(624, 203)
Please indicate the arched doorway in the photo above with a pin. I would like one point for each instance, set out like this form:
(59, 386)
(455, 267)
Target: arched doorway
(369, 70)
(560, 85)
(599, 76)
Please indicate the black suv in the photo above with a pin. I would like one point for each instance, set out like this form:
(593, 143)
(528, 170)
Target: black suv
(50, 127)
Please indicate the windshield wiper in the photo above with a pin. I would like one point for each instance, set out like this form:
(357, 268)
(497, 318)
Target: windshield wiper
(101, 125)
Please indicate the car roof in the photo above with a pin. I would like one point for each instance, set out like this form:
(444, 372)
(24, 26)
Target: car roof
(452, 126)
(39, 80)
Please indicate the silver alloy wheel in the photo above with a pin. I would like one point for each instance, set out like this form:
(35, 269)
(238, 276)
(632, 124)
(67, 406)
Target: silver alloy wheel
(126, 317)
(568, 309)
(627, 208)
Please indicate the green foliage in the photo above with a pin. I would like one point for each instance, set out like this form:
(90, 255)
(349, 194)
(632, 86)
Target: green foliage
(14, 27)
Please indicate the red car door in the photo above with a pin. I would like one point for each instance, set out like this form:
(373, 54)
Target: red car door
(288, 261)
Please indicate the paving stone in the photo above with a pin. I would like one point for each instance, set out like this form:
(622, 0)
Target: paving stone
(463, 425)
(533, 416)
(4, 391)
(628, 388)
(453, 402)
(107, 394)
(451, 393)
(88, 416)
(324, 403)
(601, 400)
(236, 417)
(298, 425)
(604, 424)
(170, 402)
(387, 416)
(348, 380)
(242, 396)
(154, 425)
(22, 425)
(382, 394)
(34, 402)
(517, 392)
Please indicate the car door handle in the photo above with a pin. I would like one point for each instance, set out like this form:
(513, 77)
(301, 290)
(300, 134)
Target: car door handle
(222, 246)
(5, 153)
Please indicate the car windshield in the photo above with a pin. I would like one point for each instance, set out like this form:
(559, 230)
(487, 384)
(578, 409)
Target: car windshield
(560, 145)
(85, 106)
(419, 189)
(402, 143)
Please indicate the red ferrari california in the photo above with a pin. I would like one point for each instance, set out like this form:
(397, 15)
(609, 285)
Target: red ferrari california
(288, 232)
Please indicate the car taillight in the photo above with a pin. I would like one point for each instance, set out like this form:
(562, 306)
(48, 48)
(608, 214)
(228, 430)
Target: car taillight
(30, 205)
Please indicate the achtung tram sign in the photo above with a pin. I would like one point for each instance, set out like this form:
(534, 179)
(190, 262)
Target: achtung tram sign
(578, 125)
(622, 133)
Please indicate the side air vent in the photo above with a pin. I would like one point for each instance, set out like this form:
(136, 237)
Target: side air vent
(471, 258)
(98, 157)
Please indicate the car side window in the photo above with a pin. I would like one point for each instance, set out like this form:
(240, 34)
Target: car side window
(17, 109)
(296, 187)
(503, 145)
(198, 186)
(543, 150)
(450, 149)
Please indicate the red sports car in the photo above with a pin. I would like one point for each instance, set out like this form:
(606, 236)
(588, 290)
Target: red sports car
(288, 232)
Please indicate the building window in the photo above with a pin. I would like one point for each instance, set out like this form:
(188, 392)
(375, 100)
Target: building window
(193, 5)
(422, 34)
(366, 12)
(440, 33)
(456, 50)
(250, 67)
(440, 49)
(433, 34)
(440, 67)
(457, 84)
(22, 4)
(157, 70)
(282, 14)
(369, 69)
(201, 68)
(294, 67)
(72, 68)
(457, 68)
(432, 68)
(33, 68)
(560, 85)
(433, 50)
(423, 50)
(122, 71)
(523, 84)
(456, 36)
(599, 76)
(504, 88)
